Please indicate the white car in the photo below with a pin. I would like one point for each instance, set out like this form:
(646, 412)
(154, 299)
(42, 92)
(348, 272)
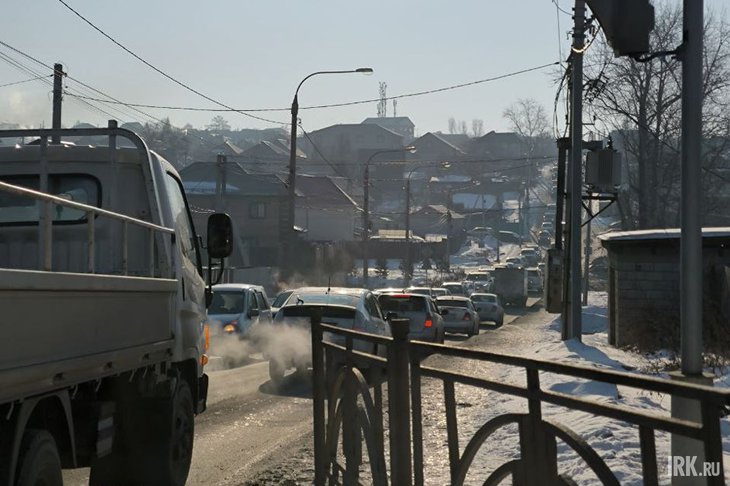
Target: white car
(288, 344)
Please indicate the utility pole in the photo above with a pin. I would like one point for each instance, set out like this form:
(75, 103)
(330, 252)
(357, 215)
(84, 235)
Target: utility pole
(406, 270)
(220, 186)
(576, 176)
(58, 75)
(365, 225)
(691, 264)
(449, 230)
(587, 250)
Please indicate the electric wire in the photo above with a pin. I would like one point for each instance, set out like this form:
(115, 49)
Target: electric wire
(348, 103)
(25, 80)
(163, 73)
(43, 78)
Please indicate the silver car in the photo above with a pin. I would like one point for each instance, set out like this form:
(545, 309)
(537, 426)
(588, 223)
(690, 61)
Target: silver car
(425, 322)
(488, 308)
(459, 314)
(288, 344)
(236, 309)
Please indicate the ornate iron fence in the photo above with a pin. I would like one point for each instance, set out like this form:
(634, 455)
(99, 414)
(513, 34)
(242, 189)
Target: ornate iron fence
(345, 401)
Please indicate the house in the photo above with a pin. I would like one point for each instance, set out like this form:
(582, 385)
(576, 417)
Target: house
(324, 211)
(401, 125)
(345, 148)
(644, 287)
(433, 146)
(434, 219)
(257, 204)
(496, 145)
(268, 156)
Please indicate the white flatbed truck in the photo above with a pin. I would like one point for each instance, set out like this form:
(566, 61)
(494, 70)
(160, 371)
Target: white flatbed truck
(102, 309)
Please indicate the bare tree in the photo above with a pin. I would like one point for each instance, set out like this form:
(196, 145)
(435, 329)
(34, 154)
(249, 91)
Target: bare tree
(640, 104)
(527, 117)
(218, 124)
(452, 125)
(463, 128)
(477, 127)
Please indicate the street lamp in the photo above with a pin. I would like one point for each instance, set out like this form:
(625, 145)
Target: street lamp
(293, 149)
(366, 207)
(407, 269)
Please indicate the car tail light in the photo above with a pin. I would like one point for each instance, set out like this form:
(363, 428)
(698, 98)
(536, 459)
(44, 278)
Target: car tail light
(429, 322)
(231, 327)
(466, 317)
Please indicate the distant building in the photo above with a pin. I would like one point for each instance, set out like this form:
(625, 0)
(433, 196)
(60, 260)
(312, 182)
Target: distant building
(499, 145)
(324, 211)
(401, 125)
(433, 146)
(257, 204)
(345, 148)
(644, 286)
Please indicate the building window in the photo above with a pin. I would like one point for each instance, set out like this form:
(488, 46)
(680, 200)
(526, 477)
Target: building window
(257, 210)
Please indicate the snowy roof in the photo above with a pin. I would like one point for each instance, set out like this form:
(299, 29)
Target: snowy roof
(661, 234)
(451, 178)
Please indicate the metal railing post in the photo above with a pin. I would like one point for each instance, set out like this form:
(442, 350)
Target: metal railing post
(417, 415)
(318, 397)
(125, 244)
(91, 241)
(399, 404)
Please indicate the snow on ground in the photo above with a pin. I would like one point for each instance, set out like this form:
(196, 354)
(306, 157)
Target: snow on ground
(616, 442)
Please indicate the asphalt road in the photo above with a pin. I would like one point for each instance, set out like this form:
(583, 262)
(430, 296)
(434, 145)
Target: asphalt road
(251, 427)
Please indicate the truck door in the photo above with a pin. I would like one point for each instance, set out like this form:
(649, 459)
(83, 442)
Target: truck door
(191, 298)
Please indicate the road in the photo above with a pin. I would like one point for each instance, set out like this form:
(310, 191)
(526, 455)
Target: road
(251, 429)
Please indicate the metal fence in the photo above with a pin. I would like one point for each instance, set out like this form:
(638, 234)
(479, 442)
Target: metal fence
(345, 402)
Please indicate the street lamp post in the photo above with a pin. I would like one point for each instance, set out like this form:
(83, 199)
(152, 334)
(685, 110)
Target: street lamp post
(366, 207)
(407, 276)
(291, 182)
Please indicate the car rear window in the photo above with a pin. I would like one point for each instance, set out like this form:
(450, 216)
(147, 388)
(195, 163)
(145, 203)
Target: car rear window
(280, 299)
(451, 303)
(332, 299)
(410, 303)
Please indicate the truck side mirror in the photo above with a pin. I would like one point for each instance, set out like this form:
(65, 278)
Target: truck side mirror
(220, 235)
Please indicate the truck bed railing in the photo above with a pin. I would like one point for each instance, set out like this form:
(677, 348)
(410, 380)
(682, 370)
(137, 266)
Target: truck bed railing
(48, 201)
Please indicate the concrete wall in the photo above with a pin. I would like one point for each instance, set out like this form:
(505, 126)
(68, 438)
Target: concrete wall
(644, 293)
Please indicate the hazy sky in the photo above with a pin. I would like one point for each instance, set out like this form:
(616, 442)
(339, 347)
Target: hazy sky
(252, 54)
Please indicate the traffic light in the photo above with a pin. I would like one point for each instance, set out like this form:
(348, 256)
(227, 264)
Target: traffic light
(626, 24)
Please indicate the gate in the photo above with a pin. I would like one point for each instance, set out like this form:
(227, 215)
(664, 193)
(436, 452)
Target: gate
(345, 402)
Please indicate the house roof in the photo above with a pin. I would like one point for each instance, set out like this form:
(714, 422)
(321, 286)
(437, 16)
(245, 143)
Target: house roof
(321, 191)
(357, 127)
(439, 139)
(200, 179)
(438, 209)
(460, 140)
(659, 234)
(493, 136)
(392, 121)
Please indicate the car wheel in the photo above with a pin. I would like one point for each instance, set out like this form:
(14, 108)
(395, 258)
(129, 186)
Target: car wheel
(39, 463)
(276, 371)
(499, 322)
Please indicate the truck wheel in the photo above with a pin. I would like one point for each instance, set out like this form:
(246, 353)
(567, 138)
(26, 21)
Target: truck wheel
(170, 456)
(153, 443)
(276, 371)
(39, 463)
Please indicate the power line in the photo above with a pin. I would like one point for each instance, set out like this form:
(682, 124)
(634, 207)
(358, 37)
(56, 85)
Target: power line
(78, 98)
(557, 5)
(348, 103)
(163, 73)
(25, 80)
(28, 70)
